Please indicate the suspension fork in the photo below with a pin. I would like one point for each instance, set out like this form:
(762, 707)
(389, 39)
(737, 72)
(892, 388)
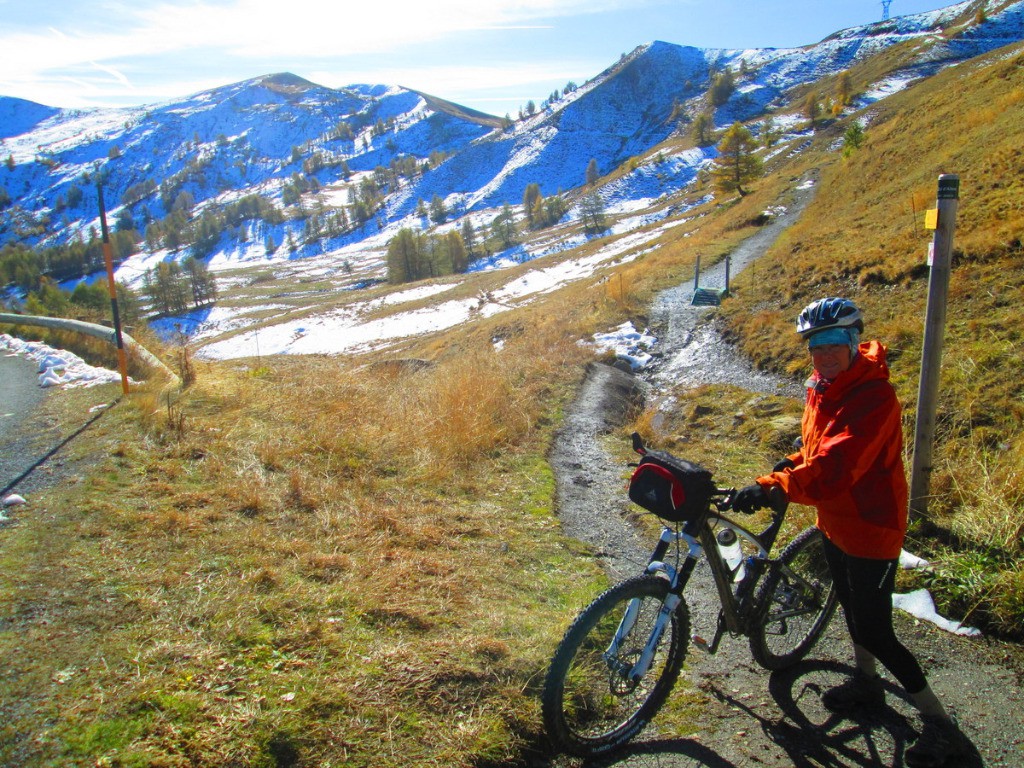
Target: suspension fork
(643, 664)
(677, 580)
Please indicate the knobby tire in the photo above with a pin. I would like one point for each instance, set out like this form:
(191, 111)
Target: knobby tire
(794, 613)
(590, 706)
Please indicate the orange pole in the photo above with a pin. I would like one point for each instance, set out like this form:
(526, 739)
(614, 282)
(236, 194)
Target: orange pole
(108, 257)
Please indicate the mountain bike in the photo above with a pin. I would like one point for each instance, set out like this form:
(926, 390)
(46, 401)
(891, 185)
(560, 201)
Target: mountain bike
(618, 661)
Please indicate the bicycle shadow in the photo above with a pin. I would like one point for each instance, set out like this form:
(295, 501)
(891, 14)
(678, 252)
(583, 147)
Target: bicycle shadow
(807, 734)
(812, 736)
(649, 753)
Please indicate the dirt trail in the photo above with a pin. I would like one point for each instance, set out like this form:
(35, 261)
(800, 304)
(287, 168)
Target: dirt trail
(750, 717)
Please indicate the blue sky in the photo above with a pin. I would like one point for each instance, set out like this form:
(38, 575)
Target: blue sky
(491, 55)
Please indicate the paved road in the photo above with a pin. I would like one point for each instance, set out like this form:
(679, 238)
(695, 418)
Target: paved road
(20, 394)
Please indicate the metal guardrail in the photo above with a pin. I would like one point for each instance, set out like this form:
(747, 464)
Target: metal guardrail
(92, 329)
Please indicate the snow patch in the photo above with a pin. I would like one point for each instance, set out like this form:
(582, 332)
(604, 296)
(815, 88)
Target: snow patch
(59, 368)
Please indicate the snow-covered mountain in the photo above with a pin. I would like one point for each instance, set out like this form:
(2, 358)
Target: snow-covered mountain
(339, 171)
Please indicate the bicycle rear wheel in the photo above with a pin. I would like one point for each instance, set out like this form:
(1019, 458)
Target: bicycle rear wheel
(590, 703)
(796, 601)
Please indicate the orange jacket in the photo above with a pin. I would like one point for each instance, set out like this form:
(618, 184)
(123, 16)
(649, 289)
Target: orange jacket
(850, 466)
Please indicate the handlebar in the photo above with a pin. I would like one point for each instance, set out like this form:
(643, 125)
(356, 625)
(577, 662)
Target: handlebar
(778, 503)
(723, 497)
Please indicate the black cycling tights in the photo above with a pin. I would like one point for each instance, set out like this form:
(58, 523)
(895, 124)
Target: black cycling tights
(864, 588)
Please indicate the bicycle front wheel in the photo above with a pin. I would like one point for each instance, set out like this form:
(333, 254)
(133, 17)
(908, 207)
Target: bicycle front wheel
(796, 601)
(593, 699)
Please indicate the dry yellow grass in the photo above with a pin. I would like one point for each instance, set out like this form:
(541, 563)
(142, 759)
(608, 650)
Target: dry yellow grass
(316, 560)
(323, 561)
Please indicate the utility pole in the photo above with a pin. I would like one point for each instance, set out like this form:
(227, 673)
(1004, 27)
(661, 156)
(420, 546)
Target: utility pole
(943, 220)
(885, 9)
(108, 257)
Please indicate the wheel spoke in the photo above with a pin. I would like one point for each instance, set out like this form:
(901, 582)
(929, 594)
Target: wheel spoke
(797, 602)
(591, 701)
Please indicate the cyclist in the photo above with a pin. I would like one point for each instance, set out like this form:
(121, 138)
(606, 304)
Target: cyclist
(850, 467)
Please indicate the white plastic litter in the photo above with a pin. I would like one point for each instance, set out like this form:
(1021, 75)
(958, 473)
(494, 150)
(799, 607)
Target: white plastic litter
(919, 603)
(910, 562)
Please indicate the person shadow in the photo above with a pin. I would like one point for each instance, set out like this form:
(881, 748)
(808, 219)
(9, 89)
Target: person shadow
(806, 733)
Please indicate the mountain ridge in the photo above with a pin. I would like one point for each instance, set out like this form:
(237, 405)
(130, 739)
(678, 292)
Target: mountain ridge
(376, 153)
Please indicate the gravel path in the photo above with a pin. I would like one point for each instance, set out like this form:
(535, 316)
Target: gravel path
(750, 717)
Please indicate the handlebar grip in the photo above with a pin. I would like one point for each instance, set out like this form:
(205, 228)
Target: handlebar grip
(777, 499)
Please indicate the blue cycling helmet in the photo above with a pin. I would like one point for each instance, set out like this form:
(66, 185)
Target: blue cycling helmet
(824, 314)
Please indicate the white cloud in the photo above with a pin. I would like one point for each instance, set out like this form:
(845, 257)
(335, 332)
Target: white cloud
(113, 72)
(258, 28)
(121, 54)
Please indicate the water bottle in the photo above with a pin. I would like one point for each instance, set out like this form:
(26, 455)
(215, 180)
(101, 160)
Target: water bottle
(732, 553)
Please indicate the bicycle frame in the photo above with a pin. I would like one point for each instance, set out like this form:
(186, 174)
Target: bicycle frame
(699, 538)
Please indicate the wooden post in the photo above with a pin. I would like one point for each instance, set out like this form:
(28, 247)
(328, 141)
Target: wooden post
(934, 329)
(728, 263)
(108, 257)
(696, 274)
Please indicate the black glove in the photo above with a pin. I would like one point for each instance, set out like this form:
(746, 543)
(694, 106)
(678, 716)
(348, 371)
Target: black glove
(749, 499)
(786, 463)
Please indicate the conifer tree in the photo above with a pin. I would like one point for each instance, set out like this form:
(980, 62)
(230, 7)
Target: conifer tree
(592, 213)
(736, 164)
(554, 209)
(812, 108)
(49, 300)
(702, 130)
(538, 217)
(852, 139)
(593, 172)
(403, 257)
(167, 288)
(204, 287)
(438, 212)
(722, 88)
(504, 227)
(770, 133)
(844, 89)
(458, 257)
(469, 237)
(90, 297)
(530, 197)
(128, 303)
